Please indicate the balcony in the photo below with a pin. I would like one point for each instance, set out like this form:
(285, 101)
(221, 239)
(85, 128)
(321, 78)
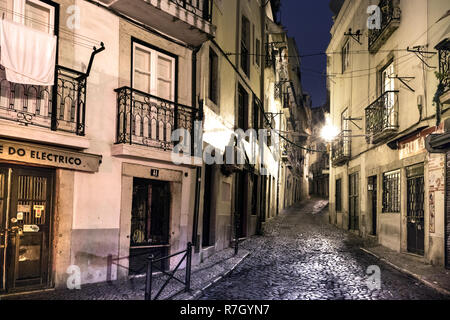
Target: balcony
(341, 149)
(187, 20)
(444, 69)
(382, 118)
(390, 21)
(58, 108)
(146, 120)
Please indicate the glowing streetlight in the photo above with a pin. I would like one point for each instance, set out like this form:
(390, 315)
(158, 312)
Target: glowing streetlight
(329, 132)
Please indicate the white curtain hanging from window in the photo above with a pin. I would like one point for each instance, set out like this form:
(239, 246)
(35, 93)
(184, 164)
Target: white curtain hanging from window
(27, 54)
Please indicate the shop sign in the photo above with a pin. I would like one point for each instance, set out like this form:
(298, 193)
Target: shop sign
(48, 156)
(412, 148)
(415, 145)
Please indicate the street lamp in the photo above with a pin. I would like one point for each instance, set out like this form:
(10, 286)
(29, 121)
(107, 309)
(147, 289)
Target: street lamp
(329, 131)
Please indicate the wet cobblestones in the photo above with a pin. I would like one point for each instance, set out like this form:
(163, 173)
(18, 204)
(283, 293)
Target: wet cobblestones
(302, 257)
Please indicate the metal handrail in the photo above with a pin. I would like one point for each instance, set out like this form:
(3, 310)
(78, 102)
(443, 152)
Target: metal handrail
(61, 107)
(200, 8)
(148, 120)
(382, 113)
(149, 277)
(390, 13)
(153, 96)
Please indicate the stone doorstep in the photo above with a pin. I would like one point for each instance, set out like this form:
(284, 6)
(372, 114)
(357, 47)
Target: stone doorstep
(434, 277)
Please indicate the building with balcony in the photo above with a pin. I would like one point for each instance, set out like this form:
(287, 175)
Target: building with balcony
(109, 162)
(238, 91)
(86, 168)
(386, 180)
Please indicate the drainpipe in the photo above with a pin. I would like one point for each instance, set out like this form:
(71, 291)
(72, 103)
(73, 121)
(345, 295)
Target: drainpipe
(261, 204)
(198, 176)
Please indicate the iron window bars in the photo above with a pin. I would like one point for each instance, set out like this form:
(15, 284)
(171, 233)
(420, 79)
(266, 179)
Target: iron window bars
(37, 106)
(391, 192)
(147, 120)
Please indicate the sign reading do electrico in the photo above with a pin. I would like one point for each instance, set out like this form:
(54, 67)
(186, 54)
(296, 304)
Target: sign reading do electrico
(48, 156)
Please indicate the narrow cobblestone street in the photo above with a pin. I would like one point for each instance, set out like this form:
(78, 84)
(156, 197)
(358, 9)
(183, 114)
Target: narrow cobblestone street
(303, 257)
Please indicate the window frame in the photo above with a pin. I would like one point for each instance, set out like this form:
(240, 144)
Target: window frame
(243, 109)
(245, 45)
(382, 78)
(258, 52)
(214, 100)
(345, 56)
(394, 195)
(154, 54)
(345, 123)
(15, 11)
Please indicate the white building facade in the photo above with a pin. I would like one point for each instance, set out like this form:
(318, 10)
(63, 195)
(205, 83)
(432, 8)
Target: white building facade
(384, 184)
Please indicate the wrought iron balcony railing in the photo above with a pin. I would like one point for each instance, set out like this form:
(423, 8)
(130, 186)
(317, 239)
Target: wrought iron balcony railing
(61, 107)
(444, 63)
(390, 21)
(341, 148)
(270, 56)
(382, 117)
(200, 8)
(147, 120)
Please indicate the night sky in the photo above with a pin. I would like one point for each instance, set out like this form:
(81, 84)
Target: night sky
(309, 22)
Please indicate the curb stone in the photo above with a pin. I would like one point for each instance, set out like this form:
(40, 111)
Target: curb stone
(412, 274)
(199, 293)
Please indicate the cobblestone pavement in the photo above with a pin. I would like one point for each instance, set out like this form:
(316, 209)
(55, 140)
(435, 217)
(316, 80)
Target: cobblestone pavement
(133, 289)
(303, 257)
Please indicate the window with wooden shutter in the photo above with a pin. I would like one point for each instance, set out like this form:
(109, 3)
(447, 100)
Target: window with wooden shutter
(32, 13)
(39, 15)
(153, 72)
(213, 76)
(245, 46)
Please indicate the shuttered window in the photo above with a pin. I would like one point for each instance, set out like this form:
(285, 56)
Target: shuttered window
(245, 46)
(153, 72)
(213, 76)
(38, 16)
(32, 13)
